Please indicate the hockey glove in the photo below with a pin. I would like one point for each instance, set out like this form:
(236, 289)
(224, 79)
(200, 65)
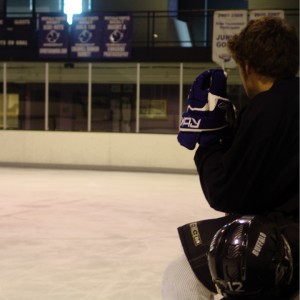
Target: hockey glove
(205, 120)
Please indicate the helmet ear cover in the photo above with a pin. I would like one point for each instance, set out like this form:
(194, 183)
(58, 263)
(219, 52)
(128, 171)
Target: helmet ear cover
(249, 257)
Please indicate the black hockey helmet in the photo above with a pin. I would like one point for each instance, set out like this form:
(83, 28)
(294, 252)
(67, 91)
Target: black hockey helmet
(249, 258)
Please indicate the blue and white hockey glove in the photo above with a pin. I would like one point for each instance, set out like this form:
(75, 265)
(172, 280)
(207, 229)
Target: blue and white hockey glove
(205, 120)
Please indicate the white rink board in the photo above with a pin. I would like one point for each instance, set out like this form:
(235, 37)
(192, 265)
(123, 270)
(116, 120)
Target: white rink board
(135, 151)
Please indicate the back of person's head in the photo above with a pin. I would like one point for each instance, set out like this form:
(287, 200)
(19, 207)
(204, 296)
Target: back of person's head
(268, 45)
(250, 259)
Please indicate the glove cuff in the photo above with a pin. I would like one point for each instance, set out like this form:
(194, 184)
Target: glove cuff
(210, 105)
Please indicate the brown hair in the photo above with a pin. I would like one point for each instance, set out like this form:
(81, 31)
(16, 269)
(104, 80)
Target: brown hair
(269, 45)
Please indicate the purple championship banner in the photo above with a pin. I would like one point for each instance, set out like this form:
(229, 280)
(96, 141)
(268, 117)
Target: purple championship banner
(92, 37)
(86, 36)
(53, 36)
(117, 35)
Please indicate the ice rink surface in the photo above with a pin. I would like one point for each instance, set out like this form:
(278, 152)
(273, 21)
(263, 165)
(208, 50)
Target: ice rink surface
(91, 235)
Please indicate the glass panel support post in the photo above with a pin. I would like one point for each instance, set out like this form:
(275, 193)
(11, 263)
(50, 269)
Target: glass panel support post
(180, 93)
(138, 81)
(46, 96)
(4, 94)
(89, 108)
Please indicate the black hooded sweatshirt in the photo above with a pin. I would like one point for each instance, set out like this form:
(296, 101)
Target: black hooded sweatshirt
(259, 171)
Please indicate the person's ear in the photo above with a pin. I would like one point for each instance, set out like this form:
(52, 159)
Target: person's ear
(247, 69)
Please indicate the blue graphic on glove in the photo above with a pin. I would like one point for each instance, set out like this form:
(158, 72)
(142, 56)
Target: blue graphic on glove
(205, 120)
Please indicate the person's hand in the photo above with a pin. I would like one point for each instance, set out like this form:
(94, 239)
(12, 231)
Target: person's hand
(205, 120)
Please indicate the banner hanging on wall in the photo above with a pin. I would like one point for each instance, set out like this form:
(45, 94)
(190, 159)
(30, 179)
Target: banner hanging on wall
(90, 37)
(53, 36)
(101, 36)
(17, 37)
(225, 25)
(255, 14)
(117, 36)
(86, 36)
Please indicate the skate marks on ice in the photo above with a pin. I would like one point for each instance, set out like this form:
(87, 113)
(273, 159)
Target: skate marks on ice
(91, 235)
